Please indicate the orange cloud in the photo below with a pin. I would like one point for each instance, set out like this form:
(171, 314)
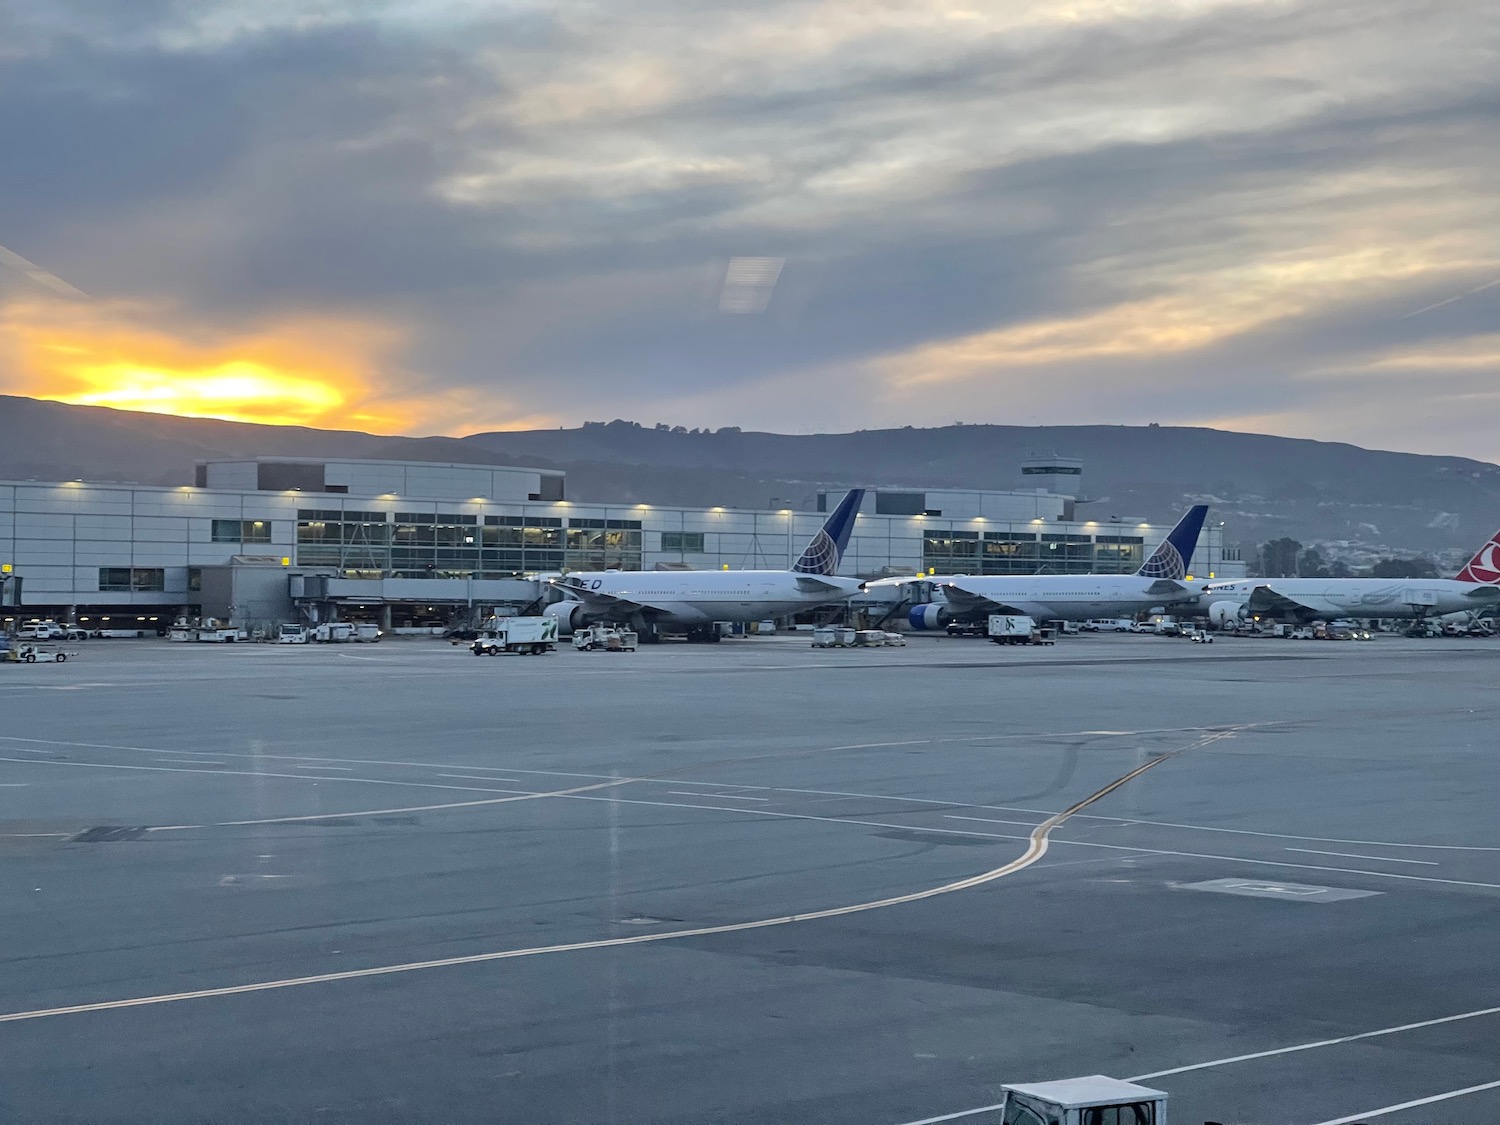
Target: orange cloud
(309, 371)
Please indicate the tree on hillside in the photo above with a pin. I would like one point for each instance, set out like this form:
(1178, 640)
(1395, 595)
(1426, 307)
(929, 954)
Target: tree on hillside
(1278, 558)
(1404, 568)
(1311, 564)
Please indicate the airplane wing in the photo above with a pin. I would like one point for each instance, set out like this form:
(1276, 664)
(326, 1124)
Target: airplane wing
(1266, 602)
(1164, 586)
(811, 584)
(601, 604)
(963, 603)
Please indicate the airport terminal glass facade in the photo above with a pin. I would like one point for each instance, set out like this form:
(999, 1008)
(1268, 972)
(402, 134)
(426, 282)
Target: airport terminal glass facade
(441, 544)
(1030, 552)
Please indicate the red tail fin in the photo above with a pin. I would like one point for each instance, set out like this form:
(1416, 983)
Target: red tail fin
(1484, 566)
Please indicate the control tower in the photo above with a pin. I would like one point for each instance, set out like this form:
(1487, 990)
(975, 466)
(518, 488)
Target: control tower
(1062, 476)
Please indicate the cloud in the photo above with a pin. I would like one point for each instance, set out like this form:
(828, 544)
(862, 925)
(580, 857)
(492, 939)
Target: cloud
(1069, 210)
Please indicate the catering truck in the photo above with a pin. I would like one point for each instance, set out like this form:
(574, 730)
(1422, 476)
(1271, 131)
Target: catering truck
(528, 636)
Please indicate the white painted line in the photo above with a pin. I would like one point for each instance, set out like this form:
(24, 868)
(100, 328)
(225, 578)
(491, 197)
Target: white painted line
(1036, 848)
(1284, 1051)
(343, 769)
(988, 820)
(191, 761)
(1376, 858)
(15, 785)
(718, 796)
(1383, 1110)
(956, 1116)
(1318, 1043)
(475, 777)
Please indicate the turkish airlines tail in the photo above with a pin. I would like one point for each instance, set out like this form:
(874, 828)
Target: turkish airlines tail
(1485, 565)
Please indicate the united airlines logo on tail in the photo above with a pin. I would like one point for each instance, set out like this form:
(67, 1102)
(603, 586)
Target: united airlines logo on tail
(1165, 562)
(823, 554)
(1171, 559)
(1485, 566)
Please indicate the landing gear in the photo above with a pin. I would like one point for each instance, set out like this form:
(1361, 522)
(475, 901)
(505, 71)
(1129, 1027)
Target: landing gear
(705, 634)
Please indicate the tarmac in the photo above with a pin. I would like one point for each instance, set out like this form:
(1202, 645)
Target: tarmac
(748, 883)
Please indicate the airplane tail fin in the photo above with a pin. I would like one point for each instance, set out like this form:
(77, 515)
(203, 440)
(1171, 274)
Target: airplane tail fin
(1485, 565)
(823, 554)
(1174, 556)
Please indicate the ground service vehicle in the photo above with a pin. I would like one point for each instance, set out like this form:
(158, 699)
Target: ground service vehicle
(832, 636)
(1094, 1100)
(1016, 629)
(604, 638)
(42, 631)
(529, 636)
(292, 634)
(29, 652)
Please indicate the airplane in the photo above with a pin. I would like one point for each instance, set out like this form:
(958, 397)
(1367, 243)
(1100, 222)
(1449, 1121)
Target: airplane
(1161, 581)
(691, 601)
(1324, 599)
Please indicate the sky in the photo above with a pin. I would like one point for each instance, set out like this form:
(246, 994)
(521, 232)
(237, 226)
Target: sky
(445, 216)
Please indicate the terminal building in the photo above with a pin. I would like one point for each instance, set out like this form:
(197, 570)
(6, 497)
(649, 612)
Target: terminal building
(422, 545)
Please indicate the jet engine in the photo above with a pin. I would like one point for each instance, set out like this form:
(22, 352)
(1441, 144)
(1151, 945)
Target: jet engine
(928, 616)
(1225, 614)
(570, 616)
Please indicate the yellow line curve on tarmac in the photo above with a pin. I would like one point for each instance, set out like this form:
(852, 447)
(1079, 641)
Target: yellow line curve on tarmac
(1036, 848)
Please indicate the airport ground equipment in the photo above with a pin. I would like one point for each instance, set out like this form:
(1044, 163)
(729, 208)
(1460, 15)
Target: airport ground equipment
(528, 636)
(1016, 629)
(291, 633)
(894, 640)
(833, 636)
(332, 632)
(604, 638)
(33, 652)
(1092, 1100)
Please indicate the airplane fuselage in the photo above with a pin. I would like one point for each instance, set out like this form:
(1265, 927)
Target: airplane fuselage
(694, 598)
(1069, 597)
(1359, 597)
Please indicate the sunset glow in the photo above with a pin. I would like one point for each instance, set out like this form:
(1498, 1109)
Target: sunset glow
(313, 373)
(240, 391)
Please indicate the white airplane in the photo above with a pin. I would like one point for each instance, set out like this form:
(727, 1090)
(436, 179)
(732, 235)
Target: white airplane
(1160, 582)
(1324, 599)
(691, 601)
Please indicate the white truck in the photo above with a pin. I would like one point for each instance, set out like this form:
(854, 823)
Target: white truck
(1016, 629)
(528, 636)
(292, 633)
(332, 632)
(604, 638)
(1092, 1100)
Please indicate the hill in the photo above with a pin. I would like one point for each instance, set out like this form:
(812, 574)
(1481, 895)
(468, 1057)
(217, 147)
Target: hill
(1368, 501)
